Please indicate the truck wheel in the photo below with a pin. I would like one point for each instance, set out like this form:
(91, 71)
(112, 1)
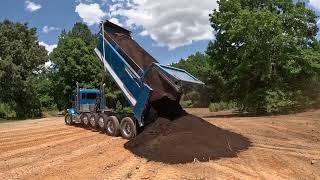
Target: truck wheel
(68, 119)
(128, 128)
(101, 121)
(112, 126)
(93, 121)
(84, 120)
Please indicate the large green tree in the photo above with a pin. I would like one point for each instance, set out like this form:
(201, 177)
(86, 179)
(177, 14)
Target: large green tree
(264, 51)
(44, 89)
(74, 61)
(20, 57)
(198, 65)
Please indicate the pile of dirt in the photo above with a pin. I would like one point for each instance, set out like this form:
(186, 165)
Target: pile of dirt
(186, 139)
(167, 108)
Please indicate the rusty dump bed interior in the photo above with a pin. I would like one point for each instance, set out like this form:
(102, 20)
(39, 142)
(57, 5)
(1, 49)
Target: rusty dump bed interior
(133, 50)
(165, 97)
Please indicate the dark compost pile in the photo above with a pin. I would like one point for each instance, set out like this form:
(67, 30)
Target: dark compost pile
(187, 139)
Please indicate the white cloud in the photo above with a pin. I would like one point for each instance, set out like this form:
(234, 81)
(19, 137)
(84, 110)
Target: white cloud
(31, 6)
(315, 4)
(169, 23)
(144, 33)
(90, 13)
(115, 21)
(47, 29)
(48, 47)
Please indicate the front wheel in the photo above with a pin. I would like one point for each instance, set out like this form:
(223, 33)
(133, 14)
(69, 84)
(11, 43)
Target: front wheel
(68, 119)
(85, 120)
(128, 128)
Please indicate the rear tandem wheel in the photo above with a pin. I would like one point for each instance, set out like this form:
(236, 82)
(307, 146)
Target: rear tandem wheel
(112, 126)
(94, 120)
(128, 128)
(101, 121)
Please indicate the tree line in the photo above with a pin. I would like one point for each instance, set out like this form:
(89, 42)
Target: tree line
(29, 87)
(265, 59)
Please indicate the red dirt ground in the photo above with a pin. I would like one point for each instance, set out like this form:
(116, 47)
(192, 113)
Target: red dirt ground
(199, 146)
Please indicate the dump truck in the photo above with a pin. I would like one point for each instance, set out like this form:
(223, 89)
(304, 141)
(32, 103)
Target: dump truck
(152, 89)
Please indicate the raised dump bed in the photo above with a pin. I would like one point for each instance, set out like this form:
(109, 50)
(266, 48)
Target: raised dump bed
(164, 81)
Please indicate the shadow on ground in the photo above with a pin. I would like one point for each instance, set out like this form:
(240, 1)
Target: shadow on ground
(186, 139)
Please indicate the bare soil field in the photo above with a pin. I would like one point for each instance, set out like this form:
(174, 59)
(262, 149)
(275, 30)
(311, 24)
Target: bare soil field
(200, 145)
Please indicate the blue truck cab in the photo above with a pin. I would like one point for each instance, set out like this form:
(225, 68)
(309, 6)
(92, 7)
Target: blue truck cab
(88, 99)
(86, 102)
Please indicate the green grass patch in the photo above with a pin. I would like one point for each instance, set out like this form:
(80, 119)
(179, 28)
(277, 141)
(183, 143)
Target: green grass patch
(222, 106)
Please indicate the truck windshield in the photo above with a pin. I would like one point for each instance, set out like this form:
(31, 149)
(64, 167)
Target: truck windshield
(91, 96)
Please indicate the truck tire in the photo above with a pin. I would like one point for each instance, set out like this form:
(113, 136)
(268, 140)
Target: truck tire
(93, 120)
(85, 120)
(112, 126)
(101, 121)
(128, 128)
(68, 120)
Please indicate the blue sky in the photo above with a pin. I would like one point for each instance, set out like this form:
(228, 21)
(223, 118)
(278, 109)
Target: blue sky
(169, 30)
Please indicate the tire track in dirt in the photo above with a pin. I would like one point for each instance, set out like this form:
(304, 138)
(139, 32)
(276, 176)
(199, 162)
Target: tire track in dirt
(126, 169)
(261, 168)
(41, 165)
(145, 170)
(33, 141)
(30, 124)
(290, 132)
(156, 170)
(211, 171)
(272, 165)
(93, 165)
(31, 128)
(231, 169)
(24, 134)
(33, 157)
(40, 146)
(314, 152)
(34, 127)
(20, 137)
(105, 161)
(44, 154)
(293, 152)
(297, 143)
